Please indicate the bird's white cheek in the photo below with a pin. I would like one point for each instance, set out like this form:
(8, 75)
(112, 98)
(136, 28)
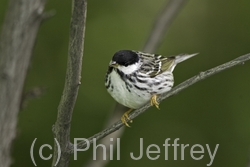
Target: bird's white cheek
(129, 69)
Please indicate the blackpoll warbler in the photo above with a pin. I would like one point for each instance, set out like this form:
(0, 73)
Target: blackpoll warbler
(135, 78)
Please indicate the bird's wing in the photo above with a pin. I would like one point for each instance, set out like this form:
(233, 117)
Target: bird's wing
(153, 64)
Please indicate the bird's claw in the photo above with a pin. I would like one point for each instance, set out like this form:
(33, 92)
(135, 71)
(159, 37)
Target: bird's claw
(154, 102)
(125, 118)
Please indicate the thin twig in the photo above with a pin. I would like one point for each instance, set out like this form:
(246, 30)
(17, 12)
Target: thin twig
(162, 24)
(174, 91)
(61, 128)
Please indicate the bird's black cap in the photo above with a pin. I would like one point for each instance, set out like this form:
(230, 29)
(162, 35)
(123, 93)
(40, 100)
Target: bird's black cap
(125, 57)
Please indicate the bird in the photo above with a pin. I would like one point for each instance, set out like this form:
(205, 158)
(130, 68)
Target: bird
(135, 78)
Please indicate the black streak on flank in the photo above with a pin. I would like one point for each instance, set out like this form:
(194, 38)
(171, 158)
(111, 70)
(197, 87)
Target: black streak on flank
(141, 81)
(137, 87)
(109, 83)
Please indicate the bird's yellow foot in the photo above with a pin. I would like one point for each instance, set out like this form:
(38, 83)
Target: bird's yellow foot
(154, 102)
(126, 118)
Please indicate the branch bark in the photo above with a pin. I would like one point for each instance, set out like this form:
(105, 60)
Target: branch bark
(61, 128)
(17, 40)
(174, 91)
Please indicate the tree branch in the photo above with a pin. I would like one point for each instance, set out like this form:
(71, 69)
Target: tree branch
(61, 128)
(162, 24)
(17, 40)
(174, 91)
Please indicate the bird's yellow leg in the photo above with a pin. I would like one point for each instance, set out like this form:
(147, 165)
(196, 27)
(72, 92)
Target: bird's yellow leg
(154, 102)
(126, 118)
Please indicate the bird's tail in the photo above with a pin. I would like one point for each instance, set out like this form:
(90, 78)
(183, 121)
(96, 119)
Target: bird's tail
(183, 57)
(180, 58)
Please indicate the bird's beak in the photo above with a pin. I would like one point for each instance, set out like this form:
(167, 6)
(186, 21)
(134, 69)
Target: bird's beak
(113, 64)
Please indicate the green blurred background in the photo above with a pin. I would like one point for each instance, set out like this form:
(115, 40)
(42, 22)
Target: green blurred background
(214, 111)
